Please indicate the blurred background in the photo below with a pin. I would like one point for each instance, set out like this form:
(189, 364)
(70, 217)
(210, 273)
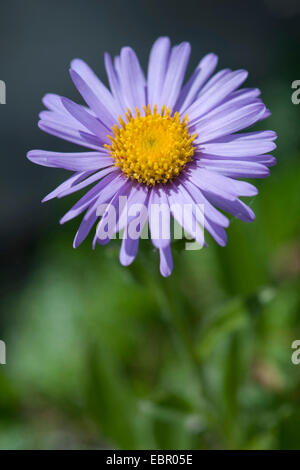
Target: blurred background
(93, 358)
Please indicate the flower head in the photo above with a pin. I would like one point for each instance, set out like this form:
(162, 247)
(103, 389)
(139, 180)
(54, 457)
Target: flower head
(158, 144)
(153, 148)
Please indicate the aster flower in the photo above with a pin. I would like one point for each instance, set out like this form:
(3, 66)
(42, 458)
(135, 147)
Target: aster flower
(156, 140)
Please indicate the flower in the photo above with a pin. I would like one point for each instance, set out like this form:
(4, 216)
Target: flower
(157, 142)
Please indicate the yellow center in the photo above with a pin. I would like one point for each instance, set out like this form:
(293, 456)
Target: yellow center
(153, 148)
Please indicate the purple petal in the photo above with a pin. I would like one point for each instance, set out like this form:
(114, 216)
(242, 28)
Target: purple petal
(219, 184)
(129, 249)
(67, 184)
(137, 195)
(70, 161)
(132, 80)
(242, 145)
(130, 244)
(237, 208)
(92, 100)
(105, 189)
(214, 79)
(114, 82)
(91, 179)
(53, 102)
(191, 89)
(186, 218)
(71, 135)
(85, 227)
(91, 123)
(265, 115)
(114, 204)
(267, 160)
(216, 94)
(228, 123)
(235, 168)
(95, 84)
(61, 119)
(210, 211)
(230, 104)
(175, 74)
(166, 260)
(216, 231)
(208, 185)
(157, 68)
(159, 222)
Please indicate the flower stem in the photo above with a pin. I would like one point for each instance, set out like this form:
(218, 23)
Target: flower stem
(166, 292)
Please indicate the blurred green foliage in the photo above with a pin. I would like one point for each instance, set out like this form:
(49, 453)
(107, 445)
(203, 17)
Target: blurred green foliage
(104, 356)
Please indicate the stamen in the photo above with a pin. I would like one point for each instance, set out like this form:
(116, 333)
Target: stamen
(153, 148)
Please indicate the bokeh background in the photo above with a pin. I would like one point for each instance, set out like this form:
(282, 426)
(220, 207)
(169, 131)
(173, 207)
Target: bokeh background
(94, 355)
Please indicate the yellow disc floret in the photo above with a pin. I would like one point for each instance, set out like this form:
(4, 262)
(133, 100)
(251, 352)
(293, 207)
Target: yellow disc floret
(152, 148)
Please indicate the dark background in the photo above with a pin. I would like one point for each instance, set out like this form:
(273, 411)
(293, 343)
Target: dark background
(38, 40)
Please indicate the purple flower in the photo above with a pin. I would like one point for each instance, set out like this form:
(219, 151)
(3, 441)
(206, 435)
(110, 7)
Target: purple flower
(158, 142)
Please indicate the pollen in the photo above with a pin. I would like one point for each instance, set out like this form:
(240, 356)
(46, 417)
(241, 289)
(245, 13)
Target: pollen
(152, 148)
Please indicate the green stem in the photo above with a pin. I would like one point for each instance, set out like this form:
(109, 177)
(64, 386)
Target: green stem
(166, 292)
